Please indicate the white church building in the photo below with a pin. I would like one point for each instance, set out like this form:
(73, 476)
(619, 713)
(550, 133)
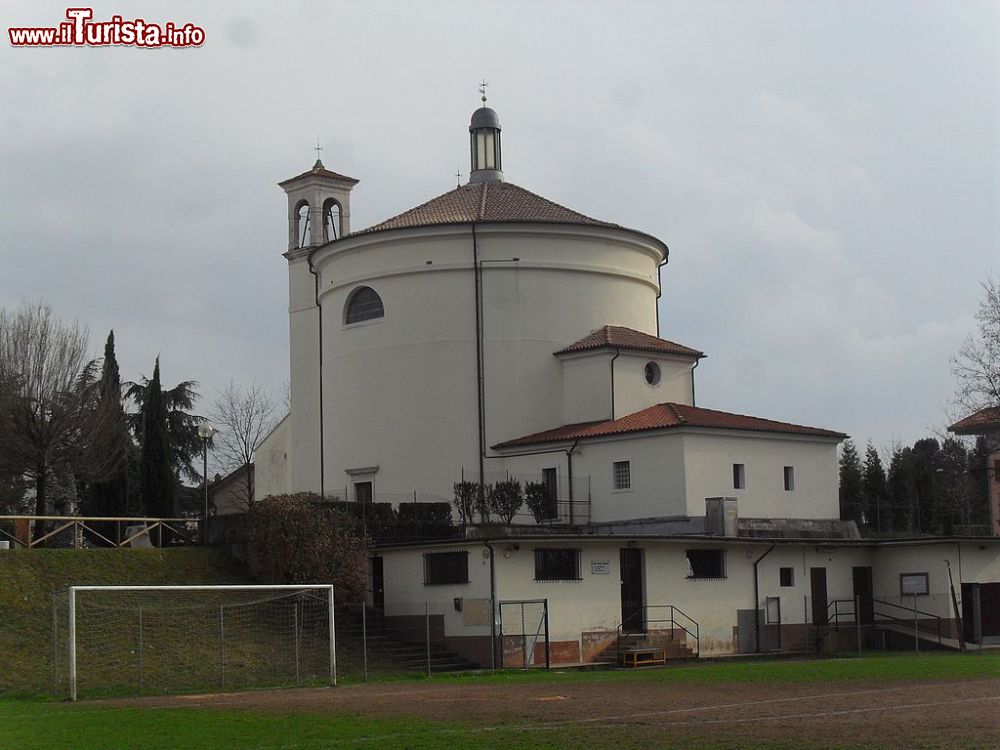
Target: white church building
(492, 333)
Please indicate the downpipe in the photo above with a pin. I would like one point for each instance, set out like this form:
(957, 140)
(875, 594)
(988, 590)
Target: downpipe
(756, 599)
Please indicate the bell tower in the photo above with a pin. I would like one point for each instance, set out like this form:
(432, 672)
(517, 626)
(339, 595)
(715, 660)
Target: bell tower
(319, 206)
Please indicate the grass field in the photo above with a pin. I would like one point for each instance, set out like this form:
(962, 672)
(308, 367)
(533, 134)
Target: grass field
(939, 700)
(27, 580)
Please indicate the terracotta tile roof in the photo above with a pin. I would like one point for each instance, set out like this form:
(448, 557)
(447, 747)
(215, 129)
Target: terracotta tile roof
(320, 171)
(978, 423)
(666, 416)
(497, 202)
(620, 337)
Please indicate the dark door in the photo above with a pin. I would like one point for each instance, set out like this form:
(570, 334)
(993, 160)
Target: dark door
(817, 579)
(971, 626)
(378, 584)
(549, 479)
(989, 611)
(863, 595)
(633, 604)
(363, 492)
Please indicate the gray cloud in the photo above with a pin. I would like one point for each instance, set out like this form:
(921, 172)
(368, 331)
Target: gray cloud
(824, 173)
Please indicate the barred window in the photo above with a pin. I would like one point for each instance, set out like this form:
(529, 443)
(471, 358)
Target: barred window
(441, 568)
(622, 471)
(363, 304)
(557, 564)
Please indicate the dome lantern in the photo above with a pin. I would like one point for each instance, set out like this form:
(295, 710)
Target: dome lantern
(484, 144)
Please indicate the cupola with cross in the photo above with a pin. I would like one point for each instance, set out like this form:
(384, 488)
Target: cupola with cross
(319, 205)
(484, 143)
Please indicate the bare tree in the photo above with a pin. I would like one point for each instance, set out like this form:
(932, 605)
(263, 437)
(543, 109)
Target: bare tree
(50, 402)
(977, 364)
(243, 417)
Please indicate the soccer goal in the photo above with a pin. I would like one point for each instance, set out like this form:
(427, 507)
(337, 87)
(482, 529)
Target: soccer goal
(159, 640)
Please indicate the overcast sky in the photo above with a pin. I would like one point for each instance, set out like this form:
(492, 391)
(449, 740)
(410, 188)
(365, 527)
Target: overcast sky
(827, 175)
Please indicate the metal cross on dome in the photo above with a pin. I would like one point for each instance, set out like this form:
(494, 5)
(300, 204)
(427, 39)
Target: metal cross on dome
(482, 90)
(317, 148)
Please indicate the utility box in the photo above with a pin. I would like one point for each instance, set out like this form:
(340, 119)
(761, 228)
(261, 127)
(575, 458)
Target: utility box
(721, 516)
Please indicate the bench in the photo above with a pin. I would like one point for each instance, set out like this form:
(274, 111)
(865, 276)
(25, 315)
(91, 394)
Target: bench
(638, 656)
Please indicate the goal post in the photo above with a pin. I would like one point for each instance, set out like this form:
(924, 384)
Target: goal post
(167, 639)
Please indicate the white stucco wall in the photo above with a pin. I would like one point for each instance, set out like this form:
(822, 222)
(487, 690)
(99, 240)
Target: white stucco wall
(708, 461)
(303, 440)
(633, 393)
(400, 391)
(271, 464)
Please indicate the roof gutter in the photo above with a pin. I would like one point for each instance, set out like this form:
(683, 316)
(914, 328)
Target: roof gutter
(319, 328)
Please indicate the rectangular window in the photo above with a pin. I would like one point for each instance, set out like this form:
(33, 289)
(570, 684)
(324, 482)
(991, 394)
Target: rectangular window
(441, 568)
(622, 475)
(789, 478)
(706, 563)
(550, 480)
(786, 576)
(739, 477)
(557, 564)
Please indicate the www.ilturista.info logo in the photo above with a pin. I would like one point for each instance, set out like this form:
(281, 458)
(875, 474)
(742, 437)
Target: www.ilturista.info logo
(81, 31)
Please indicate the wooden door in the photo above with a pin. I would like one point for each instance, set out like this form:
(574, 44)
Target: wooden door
(864, 595)
(633, 602)
(817, 580)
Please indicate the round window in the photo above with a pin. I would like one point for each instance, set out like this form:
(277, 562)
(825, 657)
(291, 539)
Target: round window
(652, 373)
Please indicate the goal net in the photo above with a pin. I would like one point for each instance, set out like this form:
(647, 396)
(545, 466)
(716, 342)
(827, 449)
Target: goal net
(157, 640)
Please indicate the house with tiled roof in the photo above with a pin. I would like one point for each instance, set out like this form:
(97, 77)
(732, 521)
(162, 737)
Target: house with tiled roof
(490, 338)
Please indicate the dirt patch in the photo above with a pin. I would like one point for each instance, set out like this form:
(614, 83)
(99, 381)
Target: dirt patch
(959, 714)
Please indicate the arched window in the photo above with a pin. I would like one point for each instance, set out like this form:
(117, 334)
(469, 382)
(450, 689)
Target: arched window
(302, 224)
(331, 220)
(363, 304)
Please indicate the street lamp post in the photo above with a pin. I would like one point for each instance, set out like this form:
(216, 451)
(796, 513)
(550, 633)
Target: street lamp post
(205, 432)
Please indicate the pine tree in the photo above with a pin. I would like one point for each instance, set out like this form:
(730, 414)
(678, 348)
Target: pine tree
(109, 497)
(901, 491)
(157, 479)
(850, 483)
(874, 490)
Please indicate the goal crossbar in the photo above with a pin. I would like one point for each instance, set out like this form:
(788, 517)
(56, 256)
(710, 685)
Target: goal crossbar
(72, 591)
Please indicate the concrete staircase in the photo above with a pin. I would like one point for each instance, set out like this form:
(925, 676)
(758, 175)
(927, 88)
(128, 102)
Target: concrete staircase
(407, 656)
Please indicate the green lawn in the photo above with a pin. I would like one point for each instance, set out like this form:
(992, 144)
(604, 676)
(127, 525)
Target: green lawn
(88, 726)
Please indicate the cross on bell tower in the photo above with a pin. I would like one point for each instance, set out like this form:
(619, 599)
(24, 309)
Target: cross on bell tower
(319, 205)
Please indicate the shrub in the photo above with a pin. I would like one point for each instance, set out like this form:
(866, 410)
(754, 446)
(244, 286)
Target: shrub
(539, 501)
(424, 520)
(465, 499)
(304, 539)
(505, 499)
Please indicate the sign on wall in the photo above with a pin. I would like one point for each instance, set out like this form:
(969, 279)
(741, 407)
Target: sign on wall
(911, 584)
(600, 567)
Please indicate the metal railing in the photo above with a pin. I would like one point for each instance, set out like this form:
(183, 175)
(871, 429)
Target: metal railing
(641, 620)
(846, 610)
(128, 531)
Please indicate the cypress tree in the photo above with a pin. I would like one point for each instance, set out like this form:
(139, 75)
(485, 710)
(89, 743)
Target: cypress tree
(155, 466)
(873, 489)
(108, 496)
(850, 483)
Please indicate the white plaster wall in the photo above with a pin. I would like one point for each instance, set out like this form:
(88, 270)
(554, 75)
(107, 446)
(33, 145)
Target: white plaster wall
(271, 464)
(658, 476)
(979, 562)
(633, 393)
(709, 459)
(406, 593)
(400, 392)
(303, 379)
(586, 387)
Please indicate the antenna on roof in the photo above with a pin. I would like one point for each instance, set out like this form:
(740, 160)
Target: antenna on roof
(482, 90)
